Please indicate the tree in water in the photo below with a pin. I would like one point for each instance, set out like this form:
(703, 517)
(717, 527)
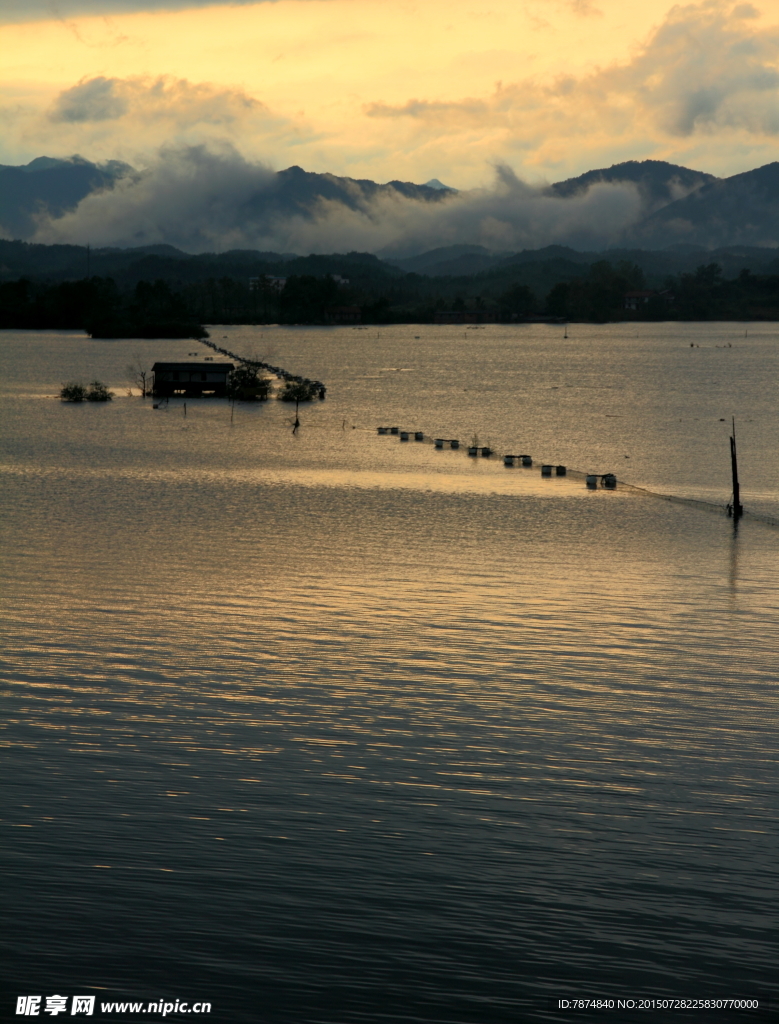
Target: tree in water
(98, 392)
(247, 386)
(138, 375)
(73, 392)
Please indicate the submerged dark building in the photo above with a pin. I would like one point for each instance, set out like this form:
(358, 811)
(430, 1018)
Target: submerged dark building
(191, 379)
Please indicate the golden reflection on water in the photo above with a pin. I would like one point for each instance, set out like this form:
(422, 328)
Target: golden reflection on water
(333, 707)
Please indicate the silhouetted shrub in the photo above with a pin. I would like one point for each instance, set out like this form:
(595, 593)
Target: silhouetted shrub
(298, 391)
(73, 392)
(246, 386)
(98, 392)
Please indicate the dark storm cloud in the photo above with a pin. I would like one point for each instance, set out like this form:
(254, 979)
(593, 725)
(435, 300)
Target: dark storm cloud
(40, 10)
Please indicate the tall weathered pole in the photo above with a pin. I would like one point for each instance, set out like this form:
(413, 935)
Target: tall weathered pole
(737, 507)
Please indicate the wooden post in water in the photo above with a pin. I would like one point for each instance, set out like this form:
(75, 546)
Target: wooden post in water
(737, 509)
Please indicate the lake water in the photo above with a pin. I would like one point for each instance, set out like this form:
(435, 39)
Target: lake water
(329, 728)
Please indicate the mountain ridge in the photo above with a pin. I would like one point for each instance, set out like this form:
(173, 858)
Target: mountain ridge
(678, 206)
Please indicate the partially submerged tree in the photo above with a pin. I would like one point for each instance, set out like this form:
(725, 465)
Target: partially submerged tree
(247, 386)
(73, 392)
(300, 391)
(139, 376)
(98, 392)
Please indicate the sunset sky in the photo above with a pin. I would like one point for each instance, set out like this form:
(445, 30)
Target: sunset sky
(409, 89)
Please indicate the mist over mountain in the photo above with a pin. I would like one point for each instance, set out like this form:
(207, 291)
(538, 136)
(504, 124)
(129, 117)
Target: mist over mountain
(198, 199)
(658, 183)
(50, 188)
(742, 210)
(192, 198)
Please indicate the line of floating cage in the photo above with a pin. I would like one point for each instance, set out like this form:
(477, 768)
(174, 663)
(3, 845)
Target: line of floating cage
(548, 469)
(607, 480)
(404, 434)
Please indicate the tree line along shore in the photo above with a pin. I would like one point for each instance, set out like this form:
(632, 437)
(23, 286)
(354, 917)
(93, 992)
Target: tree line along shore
(600, 292)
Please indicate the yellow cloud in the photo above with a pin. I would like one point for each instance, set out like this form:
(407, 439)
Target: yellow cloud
(707, 70)
(186, 104)
(389, 88)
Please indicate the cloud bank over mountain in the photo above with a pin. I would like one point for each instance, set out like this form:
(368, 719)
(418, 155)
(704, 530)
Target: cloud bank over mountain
(199, 199)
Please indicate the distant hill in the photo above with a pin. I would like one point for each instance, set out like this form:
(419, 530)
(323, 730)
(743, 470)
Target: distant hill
(435, 183)
(659, 183)
(164, 262)
(46, 185)
(742, 210)
(680, 207)
(450, 259)
(297, 192)
(55, 186)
